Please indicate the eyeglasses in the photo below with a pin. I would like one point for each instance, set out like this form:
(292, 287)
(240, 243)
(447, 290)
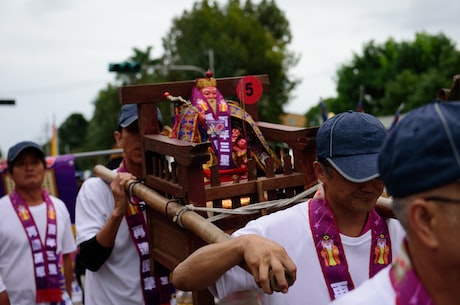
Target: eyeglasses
(442, 199)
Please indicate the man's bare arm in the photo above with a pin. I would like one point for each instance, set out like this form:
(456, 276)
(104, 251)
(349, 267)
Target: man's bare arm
(261, 257)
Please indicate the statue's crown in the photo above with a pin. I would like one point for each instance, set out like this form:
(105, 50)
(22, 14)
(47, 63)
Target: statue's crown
(207, 81)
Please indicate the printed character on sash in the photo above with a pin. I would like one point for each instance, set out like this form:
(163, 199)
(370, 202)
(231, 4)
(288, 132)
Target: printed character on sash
(381, 250)
(330, 252)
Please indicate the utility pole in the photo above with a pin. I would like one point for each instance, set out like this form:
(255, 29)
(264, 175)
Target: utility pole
(211, 61)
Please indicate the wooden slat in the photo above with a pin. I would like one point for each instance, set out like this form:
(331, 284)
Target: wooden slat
(245, 188)
(163, 185)
(183, 152)
(148, 93)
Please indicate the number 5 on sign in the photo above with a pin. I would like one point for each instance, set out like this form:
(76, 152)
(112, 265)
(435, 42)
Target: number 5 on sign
(249, 89)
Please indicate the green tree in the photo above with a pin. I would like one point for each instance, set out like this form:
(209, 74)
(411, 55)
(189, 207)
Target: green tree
(315, 114)
(78, 135)
(409, 72)
(104, 120)
(70, 133)
(245, 39)
(107, 103)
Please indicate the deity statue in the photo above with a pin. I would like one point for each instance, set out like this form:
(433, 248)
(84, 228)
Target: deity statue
(232, 132)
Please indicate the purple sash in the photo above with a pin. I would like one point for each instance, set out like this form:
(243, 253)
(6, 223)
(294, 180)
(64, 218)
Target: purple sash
(138, 231)
(408, 288)
(46, 268)
(330, 249)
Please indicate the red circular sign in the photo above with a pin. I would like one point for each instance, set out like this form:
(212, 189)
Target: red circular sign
(249, 89)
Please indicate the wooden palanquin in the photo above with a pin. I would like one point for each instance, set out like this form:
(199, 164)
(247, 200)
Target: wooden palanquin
(179, 176)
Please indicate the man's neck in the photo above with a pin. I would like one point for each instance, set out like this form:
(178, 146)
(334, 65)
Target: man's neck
(31, 196)
(352, 226)
(349, 223)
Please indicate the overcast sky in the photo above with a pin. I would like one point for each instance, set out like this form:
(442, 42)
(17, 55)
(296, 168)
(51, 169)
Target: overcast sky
(54, 54)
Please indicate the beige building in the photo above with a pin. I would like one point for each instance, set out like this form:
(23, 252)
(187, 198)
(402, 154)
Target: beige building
(296, 120)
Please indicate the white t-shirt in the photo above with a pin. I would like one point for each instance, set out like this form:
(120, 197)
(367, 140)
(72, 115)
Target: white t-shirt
(16, 263)
(118, 280)
(291, 229)
(2, 285)
(376, 291)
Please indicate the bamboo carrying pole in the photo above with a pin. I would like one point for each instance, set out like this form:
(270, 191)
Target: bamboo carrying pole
(189, 220)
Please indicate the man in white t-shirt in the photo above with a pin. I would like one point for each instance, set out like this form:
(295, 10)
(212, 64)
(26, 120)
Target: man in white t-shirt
(35, 231)
(420, 166)
(328, 245)
(112, 233)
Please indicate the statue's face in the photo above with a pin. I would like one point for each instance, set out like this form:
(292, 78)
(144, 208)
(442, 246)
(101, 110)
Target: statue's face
(236, 133)
(209, 92)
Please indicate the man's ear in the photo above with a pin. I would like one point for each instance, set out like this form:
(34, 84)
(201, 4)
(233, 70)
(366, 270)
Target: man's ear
(319, 171)
(118, 138)
(423, 220)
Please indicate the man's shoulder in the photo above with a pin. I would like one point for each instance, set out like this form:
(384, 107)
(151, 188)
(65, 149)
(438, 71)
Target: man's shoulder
(94, 189)
(395, 225)
(286, 217)
(60, 206)
(56, 201)
(298, 209)
(4, 199)
(94, 183)
(5, 205)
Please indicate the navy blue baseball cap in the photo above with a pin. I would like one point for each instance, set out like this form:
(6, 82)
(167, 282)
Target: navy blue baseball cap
(128, 114)
(18, 148)
(422, 151)
(350, 142)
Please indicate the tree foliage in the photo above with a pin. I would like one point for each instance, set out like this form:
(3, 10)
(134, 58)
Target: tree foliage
(107, 104)
(244, 39)
(104, 120)
(409, 72)
(69, 133)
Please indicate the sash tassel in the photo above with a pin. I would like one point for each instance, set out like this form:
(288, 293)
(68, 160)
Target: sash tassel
(49, 295)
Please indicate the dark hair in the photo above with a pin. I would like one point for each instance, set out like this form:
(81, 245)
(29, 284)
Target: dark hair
(32, 150)
(326, 166)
